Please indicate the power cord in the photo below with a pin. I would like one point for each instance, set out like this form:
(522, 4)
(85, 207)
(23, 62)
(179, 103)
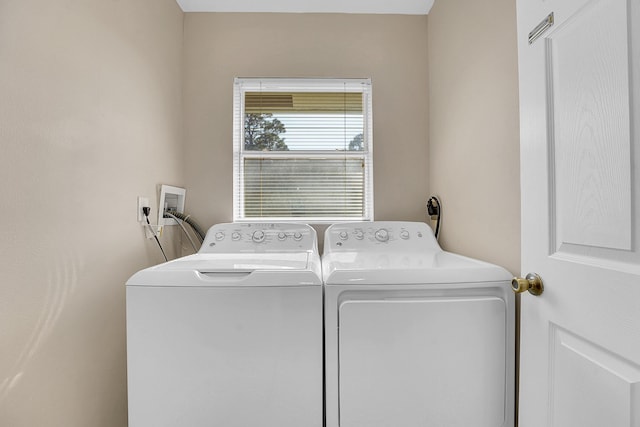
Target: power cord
(146, 210)
(434, 209)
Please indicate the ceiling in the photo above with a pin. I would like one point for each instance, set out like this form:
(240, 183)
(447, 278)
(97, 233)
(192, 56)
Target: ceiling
(402, 7)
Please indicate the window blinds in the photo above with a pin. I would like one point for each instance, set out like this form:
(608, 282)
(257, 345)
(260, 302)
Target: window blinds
(302, 149)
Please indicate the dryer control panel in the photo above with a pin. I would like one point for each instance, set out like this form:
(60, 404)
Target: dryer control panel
(259, 237)
(379, 235)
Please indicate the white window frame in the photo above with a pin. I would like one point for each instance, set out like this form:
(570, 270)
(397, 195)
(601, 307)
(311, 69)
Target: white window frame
(243, 85)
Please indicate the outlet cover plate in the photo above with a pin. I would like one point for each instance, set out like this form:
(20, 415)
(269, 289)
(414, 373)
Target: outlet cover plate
(142, 203)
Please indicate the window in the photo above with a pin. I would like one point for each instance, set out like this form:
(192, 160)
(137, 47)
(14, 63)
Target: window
(302, 150)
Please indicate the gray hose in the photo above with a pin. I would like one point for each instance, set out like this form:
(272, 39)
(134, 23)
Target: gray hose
(194, 225)
(170, 215)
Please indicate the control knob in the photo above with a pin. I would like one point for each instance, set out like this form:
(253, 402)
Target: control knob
(258, 236)
(282, 235)
(219, 235)
(297, 235)
(343, 235)
(236, 236)
(404, 234)
(382, 235)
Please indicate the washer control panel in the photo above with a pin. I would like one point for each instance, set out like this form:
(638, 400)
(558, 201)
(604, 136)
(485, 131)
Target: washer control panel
(379, 235)
(259, 237)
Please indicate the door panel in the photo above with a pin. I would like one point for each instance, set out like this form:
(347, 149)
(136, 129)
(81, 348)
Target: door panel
(609, 385)
(580, 340)
(589, 128)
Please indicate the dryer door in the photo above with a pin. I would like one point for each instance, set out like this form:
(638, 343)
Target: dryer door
(424, 361)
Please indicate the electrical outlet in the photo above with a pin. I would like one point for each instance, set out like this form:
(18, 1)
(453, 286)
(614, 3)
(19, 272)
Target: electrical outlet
(143, 202)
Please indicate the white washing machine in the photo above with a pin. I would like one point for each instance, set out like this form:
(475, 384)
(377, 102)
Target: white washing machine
(414, 336)
(230, 336)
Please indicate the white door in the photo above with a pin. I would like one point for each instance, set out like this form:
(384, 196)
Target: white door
(580, 162)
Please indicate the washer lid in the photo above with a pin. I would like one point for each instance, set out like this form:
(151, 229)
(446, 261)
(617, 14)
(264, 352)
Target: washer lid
(244, 254)
(216, 270)
(239, 262)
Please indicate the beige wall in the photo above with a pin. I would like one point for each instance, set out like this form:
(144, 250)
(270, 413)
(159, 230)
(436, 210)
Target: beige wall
(90, 118)
(473, 127)
(92, 98)
(392, 50)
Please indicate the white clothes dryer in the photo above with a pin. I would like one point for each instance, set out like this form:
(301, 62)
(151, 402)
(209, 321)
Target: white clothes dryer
(230, 336)
(414, 336)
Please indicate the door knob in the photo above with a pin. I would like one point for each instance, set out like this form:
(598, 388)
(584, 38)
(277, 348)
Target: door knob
(531, 283)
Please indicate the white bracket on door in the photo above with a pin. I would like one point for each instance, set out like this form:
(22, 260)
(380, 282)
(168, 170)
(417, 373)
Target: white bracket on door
(541, 28)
